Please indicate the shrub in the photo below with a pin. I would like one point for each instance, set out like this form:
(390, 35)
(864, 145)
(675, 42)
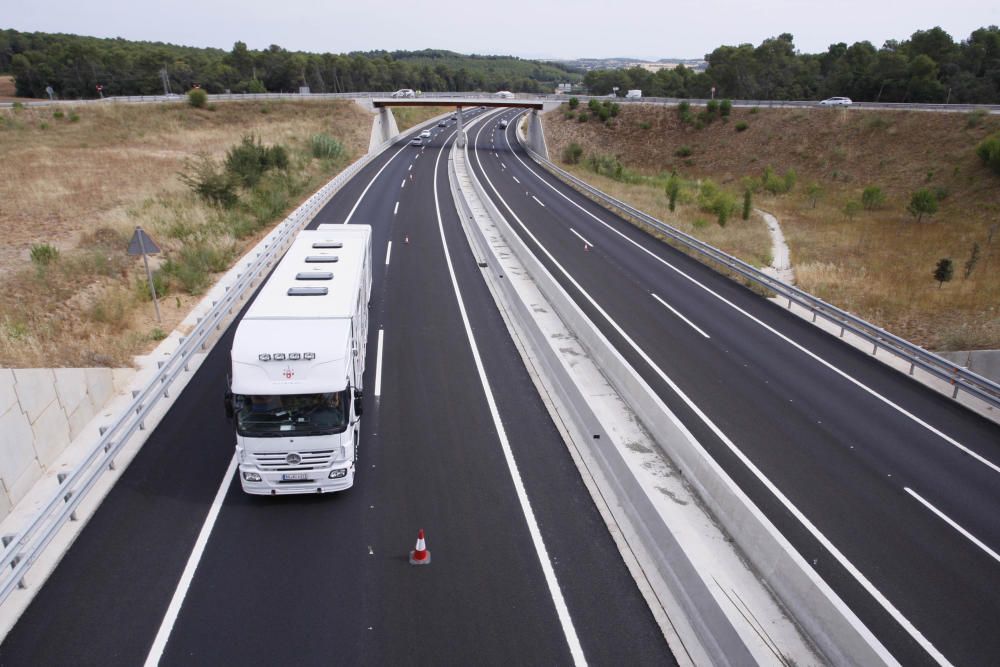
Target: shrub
(58, 115)
(673, 188)
(975, 118)
(249, 160)
(569, 115)
(74, 117)
(157, 334)
(326, 147)
(614, 109)
(215, 186)
(573, 103)
(606, 165)
(644, 125)
(583, 117)
(778, 184)
(573, 153)
(712, 107)
(878, 122)
(684, 111)
(594, 105)
(43, 254)
(603, 113)
(725, 108)
(872, 197)
(944, 270)
(851, 209)
(754, 110)
(194, 264)
(699, 223)
(814, 192)
(198, 98)
(741, 126)
(746, 204)
(111, 308)
(160, 284)
(256, 86)
(684, 151)
(989, 152)
(922, 202)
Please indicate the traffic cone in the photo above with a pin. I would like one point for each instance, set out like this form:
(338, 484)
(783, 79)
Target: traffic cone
(420, 555)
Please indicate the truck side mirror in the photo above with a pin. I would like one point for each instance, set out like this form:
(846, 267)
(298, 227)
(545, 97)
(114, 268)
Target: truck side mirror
(358, 409)
(228, 399)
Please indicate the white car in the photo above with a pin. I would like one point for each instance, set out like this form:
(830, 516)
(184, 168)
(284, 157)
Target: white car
(503, 123)
(426, 134)
(416, 141)
(836, 102)
(404, 92)
(505, 94)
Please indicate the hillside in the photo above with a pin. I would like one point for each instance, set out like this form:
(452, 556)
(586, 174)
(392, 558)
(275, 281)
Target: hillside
(86, 176)
(877, 263)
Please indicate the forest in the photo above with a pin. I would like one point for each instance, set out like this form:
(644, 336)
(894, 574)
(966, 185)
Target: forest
(74, 66)
(929, 67)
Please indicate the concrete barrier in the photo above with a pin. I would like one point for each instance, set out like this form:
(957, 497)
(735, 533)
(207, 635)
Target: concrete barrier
(42, 410)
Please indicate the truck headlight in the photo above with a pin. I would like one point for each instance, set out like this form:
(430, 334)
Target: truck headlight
(338, 473)
(251, 476)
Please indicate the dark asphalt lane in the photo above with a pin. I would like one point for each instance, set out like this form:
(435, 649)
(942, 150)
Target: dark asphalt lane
(315, 580)
(840, 455)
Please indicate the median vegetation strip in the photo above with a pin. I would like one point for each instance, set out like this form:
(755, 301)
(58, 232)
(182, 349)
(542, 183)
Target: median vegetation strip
(869, 201)
(205, 183)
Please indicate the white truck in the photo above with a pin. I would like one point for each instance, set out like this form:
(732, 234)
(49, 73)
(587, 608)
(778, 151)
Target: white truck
(298, 360)
(633, 95)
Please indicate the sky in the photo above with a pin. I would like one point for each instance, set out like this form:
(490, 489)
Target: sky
(646, 29)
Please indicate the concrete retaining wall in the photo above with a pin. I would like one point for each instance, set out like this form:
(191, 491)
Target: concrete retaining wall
(41, 411)
(981, 362)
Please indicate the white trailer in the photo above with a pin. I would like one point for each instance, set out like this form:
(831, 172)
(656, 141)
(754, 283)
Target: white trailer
(298, 362)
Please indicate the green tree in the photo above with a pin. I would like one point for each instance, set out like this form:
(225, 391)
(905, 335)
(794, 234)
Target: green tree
(573, 153)
(944, 271)
(746, 204)
(197, 98)
(872, 197)
(673, 188)
(922, 202)
(573, 103)
(814, 191)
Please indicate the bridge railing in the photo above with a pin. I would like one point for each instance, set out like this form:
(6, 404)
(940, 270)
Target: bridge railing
(961, 378)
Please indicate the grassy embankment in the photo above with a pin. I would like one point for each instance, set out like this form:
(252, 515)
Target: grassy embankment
(76, 182)
(876, 262)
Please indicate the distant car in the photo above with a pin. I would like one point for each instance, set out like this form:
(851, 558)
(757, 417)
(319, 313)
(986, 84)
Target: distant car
(503, 123)
(633, 95)
(426, 134)
(404, 92)
(442, 123)
(417, 141)
(505, 94)
(836, 102)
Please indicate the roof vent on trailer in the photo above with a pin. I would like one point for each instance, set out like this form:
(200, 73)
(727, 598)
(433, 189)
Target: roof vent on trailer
(314, 275)
(307, 291)
(322, 259)
(328, 244)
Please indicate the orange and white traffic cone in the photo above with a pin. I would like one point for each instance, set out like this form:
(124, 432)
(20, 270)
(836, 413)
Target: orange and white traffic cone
(420, 555)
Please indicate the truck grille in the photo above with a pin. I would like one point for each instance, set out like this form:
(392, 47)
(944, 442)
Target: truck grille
(320, 458)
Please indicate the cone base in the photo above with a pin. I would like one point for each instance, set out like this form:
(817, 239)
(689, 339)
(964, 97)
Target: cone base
(426, 560)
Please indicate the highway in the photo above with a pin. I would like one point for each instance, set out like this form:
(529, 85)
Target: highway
(888, 489)
(456, 442)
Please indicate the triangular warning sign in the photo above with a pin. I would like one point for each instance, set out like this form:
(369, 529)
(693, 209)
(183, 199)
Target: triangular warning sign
(142, 243)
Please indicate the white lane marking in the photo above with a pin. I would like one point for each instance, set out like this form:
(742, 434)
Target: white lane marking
(378, 357)
(775, 491)
(388, 251)
(395, 210)
(403, 184)
(947, 438)
(581, 237)
(370, 183)
(410, 168)
(537, 200)
(677, 313)
(503, 166)
(515, 179)
(969, 536)
(167, 625)
(565, 620)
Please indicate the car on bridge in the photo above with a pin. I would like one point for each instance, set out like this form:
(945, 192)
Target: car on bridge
(836, 102)
(404, 92)
(505, 94)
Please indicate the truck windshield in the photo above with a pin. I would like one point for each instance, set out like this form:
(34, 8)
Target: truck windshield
(291, 414)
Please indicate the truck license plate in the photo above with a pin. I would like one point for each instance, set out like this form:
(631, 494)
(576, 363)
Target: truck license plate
(293, 476)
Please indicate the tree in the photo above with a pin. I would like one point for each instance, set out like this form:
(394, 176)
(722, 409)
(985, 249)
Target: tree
(197, 98)
(673, 187)
(814, 191)
(944, 271)
(746, 204)
(923, 202)
(872, 197)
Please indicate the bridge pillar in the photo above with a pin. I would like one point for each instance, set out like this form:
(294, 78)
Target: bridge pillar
(536, 135)
(384, 128)
(460, 137)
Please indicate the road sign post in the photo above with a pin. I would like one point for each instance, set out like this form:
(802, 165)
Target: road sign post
(142, 244)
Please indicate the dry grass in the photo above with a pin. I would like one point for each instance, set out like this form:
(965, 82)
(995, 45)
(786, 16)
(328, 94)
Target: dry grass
(83, 185)
(878, 263)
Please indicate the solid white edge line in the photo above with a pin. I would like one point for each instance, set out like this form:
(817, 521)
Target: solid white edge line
(388, 251)
(775, 491)
(969, 536)
(678, 314)
(814, 356)
(167, 625)
(378, 360)
(562, 611)
(581, 237)
(368, 187)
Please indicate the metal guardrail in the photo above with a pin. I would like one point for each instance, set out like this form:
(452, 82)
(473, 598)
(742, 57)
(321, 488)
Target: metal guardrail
(960, 377)
(666, 101)
(21, 551)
